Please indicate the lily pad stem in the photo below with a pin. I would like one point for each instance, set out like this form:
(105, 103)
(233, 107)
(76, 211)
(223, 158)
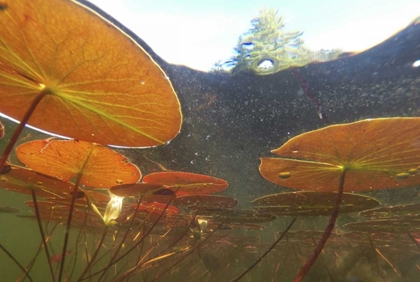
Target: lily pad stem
(266, 253)
(20, 127)
(304, 270)
(41, 231)
(73, 201)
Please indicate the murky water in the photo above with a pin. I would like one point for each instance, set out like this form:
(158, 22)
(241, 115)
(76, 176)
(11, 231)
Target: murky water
(172, 228)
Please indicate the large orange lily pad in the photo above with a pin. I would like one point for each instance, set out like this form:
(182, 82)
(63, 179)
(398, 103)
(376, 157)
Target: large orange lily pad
(65, 159)
(99, 84)
(186, 183)
(375, 153)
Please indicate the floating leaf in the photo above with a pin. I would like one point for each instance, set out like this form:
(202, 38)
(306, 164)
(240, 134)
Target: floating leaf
(397, 211)
(99, 85)
(25, 180)
(185, 183)
(137, 189)
(376, 154)
(97, 197)
(312, 203)
(64, 159)
(197, 202)
(365, 155)
(157, 208)
(228, 216)
(57, 209)
(386, 225)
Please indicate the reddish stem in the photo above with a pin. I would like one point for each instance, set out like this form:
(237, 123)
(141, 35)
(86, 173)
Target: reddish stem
(311, 96)
(304, 270)
(20, 127)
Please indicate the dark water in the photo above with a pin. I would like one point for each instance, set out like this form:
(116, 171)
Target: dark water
(229, 122)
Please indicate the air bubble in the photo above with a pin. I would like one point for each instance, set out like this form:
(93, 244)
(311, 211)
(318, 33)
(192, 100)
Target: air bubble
(403, 175)
(284, 175)
(412, 171)
(143, 82)
(119, 181)
(3, 179)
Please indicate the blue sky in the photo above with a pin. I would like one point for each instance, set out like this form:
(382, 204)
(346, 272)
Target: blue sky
(199, 33)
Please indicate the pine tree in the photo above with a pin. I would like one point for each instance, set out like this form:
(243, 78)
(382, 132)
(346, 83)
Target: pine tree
(266, 48)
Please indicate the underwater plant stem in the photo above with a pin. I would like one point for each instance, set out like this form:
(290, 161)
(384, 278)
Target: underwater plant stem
(127, 232)
(376, 258)
(325, 266)
(73, 201)
(77, 243)
(134, 246)
(189, 250)
(266, 253)
(95, 254)
(16, 261)
(20, 127)
(414, 240)
(124, 237)
(141, 261)
(327, 232)
(41, 231)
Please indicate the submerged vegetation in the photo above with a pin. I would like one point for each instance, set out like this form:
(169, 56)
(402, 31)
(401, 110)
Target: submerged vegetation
(98, 215)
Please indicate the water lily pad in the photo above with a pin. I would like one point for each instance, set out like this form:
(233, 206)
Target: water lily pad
(397, 211)
(386, 225)
(136, 189)
(196, 202)
(157, 208)
(376, 154)
(64, 159)
(229, 216)
(23, 180)
(99, 85)
(307, 203)
(186, 183)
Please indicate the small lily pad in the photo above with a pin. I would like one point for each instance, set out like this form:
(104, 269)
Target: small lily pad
(307, 203)
(186, 183)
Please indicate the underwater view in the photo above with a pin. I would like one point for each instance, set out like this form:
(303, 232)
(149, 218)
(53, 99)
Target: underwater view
(281, 163)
